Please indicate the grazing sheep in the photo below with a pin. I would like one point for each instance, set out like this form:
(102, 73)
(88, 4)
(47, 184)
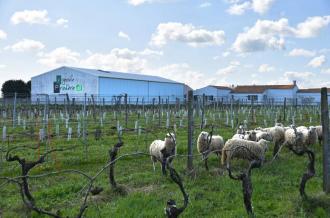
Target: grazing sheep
(309, 135)
(161, 150)
(205, 145)
(277, 134)
(244, 149)
(238, 136)
(319, 134)
(250, 135)
(263, 135)
(293, 138)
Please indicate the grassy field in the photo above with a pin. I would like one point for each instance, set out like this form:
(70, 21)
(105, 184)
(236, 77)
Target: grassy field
(212, 193)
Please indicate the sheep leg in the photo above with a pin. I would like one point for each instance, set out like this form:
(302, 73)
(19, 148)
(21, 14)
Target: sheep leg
(154, 166)
(276, 148)
(205, 163)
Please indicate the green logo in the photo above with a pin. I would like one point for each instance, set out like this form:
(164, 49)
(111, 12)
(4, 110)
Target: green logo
(79, 87)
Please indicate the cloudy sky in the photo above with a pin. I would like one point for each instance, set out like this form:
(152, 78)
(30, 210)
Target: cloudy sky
(198, 42)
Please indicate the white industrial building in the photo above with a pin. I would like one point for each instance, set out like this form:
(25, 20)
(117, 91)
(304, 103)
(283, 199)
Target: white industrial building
(75, 82)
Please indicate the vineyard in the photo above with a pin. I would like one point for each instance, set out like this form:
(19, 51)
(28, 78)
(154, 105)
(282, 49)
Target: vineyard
(91, 159)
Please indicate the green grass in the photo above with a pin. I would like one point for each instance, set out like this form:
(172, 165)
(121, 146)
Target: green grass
(144, 193)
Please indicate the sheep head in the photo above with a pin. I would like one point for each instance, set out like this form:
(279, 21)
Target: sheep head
(203, 137)
(170, 138)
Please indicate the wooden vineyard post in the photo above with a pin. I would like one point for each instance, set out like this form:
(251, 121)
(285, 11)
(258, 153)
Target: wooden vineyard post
(284, 108)
(159, 112)
(190, 130)
(126, 112)
(203, 112)
(326, 140)
(14, 110)
(84, 125)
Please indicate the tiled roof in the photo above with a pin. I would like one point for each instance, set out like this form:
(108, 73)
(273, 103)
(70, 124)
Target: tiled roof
(259, 88)
(312, 90)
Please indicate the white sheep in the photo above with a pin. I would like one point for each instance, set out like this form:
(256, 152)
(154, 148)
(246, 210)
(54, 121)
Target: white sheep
(161, 150)
(238, 136)
(263, 135)
(293, 138)
(277, 135)
(250, 135)
(244, 149)
(309, 135)
(319, 134)
(205, 145)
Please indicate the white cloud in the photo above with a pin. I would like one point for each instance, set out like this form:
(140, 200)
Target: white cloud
(230, 69)
(119, 59)
(186, 33)
(62, 22)
(140, 2)
(311, 26)
(326, 71)
(261, 6)
(205, 5)
(124, 35)
(302, 78)
(2, 66)
(258, 6)
(182, 72)
(301, 52)
(59, 56)
(317, 61)
(26, 45)
(151, 52)
(239, 9)
(225, 54)
(30, 17)
(268, 34)
(3, 34)
(263, 68)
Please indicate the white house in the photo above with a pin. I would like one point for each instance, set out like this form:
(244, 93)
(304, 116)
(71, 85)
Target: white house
(219, 93)
(310, 96)
(265, 93)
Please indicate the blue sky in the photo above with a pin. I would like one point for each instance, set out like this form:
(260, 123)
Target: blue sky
(198, 42)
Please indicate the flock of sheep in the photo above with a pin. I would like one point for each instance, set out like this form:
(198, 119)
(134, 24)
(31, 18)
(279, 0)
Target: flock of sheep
(245, 144)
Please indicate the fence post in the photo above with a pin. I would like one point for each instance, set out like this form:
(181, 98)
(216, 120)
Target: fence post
(190, 130)
(203, 111)
(84, 125)
(14, 111)
(326, 140)
(126, 112)
(284, 109)
(159, 112)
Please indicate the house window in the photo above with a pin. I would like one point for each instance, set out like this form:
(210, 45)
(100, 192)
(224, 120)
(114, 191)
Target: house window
(252, 97)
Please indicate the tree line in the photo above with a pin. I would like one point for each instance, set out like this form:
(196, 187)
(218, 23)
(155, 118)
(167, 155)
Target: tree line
(16, 86)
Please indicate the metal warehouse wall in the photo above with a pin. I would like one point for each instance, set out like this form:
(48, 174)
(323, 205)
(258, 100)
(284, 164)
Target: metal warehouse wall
(110, 86)
(73, 82)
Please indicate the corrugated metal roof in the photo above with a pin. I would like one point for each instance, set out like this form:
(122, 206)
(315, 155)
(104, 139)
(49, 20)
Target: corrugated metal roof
(120, 75)
(259, 88)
